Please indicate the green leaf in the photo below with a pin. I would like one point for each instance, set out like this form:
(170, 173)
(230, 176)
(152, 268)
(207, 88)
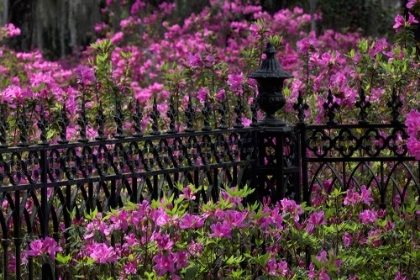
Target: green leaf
(191, 272)
(262, 260)
(63, 259)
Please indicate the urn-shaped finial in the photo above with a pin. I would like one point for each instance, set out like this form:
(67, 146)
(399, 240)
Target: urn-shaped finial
(270, 77)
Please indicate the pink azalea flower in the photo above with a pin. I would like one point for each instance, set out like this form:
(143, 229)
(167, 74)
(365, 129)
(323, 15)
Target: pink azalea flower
(37, 248)
(347, 239)
(164, 242)
(412, 121)
(400, 21)
(40, 247)
(366, 195)
(194, 60)
(164, 263)
(160, 217)
(411, 19)
(398, 276)
(352, 197)
(315, 219)
(130, 267)
(290, 206)
(191, 221)
(181, 259)
(235, 82)
(411, 3)
(120, 221)
(413, 147)
(220, 230)
(103, 254)
(117, 37)
(12, 30)
(368, 216)
(84, 75)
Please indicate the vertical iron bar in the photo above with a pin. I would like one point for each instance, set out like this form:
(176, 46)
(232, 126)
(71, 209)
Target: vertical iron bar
(305, 185)
(280, 162)
(90, 198)
(155, 187)
(63, 122)
(345, 186)
(297, 176)
(82, 122)
(5, 244)
(16, 237)
(44, 208)
(137, 117)
(382, 188)
(4, 125)
(113, 202)
(134, 190)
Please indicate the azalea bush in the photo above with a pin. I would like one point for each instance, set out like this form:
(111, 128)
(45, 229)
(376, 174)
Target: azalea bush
(346, 237)
(342, 235)
(210, 55)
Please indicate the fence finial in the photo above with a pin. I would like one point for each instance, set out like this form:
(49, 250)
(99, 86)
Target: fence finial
(83, 122)
(254, 112)
(63, 122)
(330, 106)
(239, 109)
(206, 114)
(172, 114)
(154, 115)
(270, 78)
(137, 117)
(223, 111)
(362, 104)
(23, 125)
(4, 125)
(395, 104)
(43, 123)
(300, 106)
(119, 118)
(100, 120)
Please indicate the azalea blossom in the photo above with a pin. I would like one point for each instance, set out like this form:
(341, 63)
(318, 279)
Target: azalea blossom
(401, 22)
(103, 254)
(84, 75)
(410, 3)
(40, 247)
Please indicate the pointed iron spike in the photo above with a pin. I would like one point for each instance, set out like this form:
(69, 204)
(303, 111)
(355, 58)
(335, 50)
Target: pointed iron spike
(4, 125)
(119, 118)
(154, 115)
(254, 111)
(100, 121)
(23, 125)
(300, 106)
(42, 125)
(171, 114)
(206, 115)
(63, 122)
(82, 121)
(137, 117)
(362, 104)
(239, 108)
(395, 104)
(190, 114)
(330, 106)
(223, 110)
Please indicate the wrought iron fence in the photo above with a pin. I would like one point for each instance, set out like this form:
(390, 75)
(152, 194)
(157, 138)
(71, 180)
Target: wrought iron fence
(43, 183)
(352, 155)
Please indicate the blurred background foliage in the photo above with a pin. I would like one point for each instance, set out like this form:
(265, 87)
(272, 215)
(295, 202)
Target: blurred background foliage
(62, 27)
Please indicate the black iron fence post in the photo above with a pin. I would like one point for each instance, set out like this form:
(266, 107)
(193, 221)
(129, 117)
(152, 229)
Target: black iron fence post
(275, 137)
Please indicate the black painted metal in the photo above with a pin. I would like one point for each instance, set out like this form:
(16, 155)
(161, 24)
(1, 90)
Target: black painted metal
(41, 182)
